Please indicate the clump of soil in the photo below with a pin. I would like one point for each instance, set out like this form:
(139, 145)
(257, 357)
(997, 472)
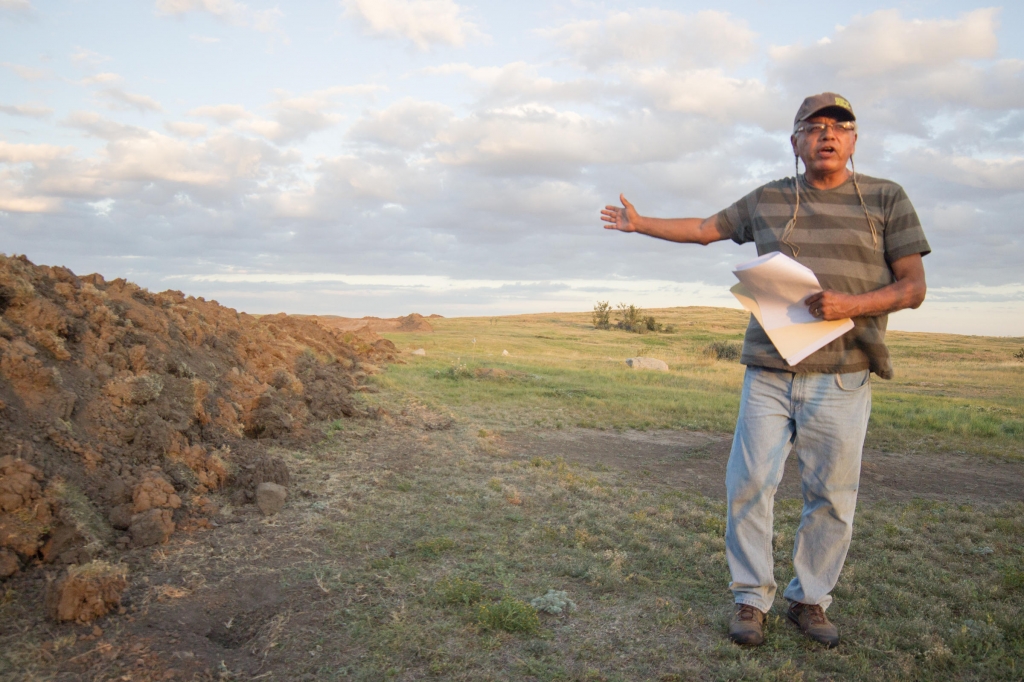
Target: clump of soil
(25, 514)
(86, 592)
(121, 409)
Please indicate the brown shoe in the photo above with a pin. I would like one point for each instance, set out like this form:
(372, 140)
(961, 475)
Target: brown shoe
(812, 620)
(746, 625)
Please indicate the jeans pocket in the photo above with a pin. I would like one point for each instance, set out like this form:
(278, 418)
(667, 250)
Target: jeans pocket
(853, 381)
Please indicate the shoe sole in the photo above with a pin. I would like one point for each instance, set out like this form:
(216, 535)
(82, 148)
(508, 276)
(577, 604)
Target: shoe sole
(829, 643)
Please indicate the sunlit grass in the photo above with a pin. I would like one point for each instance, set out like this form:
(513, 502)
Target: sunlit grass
(951, 393)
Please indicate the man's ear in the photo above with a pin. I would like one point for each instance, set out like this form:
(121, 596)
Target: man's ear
(792, 141)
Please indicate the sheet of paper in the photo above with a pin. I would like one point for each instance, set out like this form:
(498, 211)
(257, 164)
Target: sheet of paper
(794, 341)
(780, 285)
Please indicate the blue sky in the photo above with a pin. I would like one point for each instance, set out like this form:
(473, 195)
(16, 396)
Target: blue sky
(387, 156)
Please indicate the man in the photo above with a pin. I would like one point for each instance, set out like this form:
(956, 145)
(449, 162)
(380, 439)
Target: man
(863, 240)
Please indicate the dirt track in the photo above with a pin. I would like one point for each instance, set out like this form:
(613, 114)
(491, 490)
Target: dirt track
(695, 462)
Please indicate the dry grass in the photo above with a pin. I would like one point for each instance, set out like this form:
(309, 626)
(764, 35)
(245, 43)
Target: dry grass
(951, 393)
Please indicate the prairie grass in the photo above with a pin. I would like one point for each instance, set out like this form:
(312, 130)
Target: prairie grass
(436, 579)
(951, 393)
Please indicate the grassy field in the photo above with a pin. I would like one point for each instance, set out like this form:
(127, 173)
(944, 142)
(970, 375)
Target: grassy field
(414, 546)
(951, 393)
(437, 560)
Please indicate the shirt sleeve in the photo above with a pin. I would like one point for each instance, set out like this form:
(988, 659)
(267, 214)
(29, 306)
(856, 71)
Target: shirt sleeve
(735, 221)
(904, 235)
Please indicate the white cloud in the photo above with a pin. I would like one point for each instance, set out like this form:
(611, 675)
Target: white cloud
(423, 22)
(222, 113)
(295, 117)
(209, 40)
(237, 13)
(28, 73)
(31, 153)
(119, 99)
(520, 82)
(907, 67)
(26, 110)
(884, 44)
(291, 117)
(186, 128)
(224, 9)
(27, 204)
(993, 175)
(82, 55)
(16, 7)
(655, 36)
(95, 125)
(408, 124)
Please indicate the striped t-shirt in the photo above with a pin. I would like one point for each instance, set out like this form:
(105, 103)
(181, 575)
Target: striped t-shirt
(834, 241)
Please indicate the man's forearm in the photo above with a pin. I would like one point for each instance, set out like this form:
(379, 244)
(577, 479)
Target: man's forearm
(682, 230)
(897, 296)
(907, 291)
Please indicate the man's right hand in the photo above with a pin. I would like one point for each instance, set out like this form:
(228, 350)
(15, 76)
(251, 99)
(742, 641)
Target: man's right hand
(624, 219)
(682, 230)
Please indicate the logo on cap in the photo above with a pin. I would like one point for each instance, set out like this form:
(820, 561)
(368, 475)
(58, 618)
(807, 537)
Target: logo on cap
(840, 102)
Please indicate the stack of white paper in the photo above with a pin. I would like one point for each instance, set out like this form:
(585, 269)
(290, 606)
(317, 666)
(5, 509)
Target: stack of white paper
(773, 288)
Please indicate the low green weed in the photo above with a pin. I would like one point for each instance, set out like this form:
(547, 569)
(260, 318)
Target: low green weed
(511, 615)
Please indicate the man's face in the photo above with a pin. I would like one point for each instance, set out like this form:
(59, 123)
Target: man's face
(825, 152)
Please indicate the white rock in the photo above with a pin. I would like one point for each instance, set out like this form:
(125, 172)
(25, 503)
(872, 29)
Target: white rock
(270, 498)
(419, 351)
(504, 352)
(647, 363)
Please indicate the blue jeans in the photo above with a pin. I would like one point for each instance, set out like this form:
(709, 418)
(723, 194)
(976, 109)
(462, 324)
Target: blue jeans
(822, 418)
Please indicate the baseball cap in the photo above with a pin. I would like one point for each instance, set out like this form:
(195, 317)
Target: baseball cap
(836, 106)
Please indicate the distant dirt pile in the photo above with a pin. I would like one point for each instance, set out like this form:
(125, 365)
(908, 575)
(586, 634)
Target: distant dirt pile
(120, 409)
(410, 323)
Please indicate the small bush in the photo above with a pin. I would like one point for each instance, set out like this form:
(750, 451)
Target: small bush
(456, 591)
(633, 318)
(723, 350)
(602, 315)
(455, 372)
(554, 602)
(1020, 354)
(651, 324)
(510, 615)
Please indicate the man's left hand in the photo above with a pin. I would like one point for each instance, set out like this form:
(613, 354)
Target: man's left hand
(906, 292)
(831, 305)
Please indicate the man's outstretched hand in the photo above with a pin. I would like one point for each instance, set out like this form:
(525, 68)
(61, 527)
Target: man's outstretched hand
(624, 219)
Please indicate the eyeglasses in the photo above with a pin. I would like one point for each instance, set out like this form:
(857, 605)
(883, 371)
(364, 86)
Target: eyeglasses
(819, 128)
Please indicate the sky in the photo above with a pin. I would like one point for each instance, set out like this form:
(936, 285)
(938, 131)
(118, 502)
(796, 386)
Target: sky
(380, 157)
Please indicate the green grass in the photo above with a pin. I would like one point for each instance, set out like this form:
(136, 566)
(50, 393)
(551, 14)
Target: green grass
(427, 541)
(951, 393)
(437, 581)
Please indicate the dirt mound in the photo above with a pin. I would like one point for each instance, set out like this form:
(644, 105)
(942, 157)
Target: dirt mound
(410, 323)
(86, 592)
(121, 409)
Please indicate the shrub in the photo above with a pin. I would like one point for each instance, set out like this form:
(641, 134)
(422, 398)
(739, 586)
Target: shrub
(510, 615)
(633, 318)
(651, 324)
(602, 313)
(723, 350)
(455, 372)
(554, 602)
(1020, 354)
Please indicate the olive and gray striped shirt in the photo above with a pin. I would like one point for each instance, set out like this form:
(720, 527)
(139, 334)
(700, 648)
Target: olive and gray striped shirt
(835, 242)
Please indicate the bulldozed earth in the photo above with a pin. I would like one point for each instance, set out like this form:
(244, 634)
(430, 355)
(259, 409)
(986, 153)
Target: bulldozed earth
(127, 417)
